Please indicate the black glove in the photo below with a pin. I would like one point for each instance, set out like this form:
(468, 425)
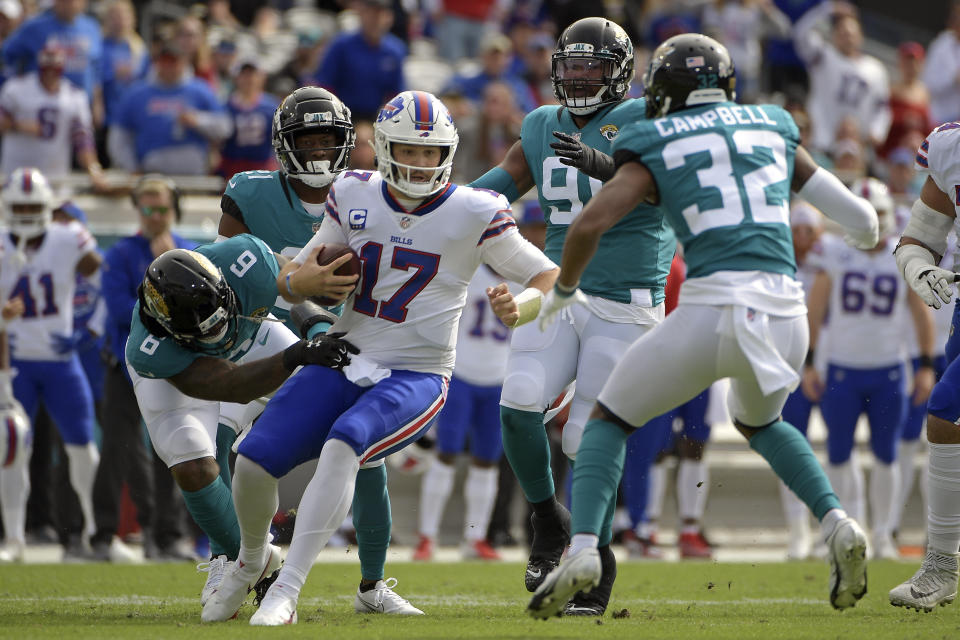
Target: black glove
(329, 350)
(574, 153)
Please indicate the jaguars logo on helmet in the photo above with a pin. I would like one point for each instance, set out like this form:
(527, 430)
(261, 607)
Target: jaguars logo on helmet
(592, 65)
(688, 70)
(186, 297)
(312, 110)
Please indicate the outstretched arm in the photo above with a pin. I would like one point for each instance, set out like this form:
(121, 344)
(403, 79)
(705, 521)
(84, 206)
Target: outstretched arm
(824, 190)
(511, 177)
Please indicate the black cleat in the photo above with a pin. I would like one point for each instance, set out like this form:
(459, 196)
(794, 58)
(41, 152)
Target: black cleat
(550, 538)
(260, 589)
(594, 602)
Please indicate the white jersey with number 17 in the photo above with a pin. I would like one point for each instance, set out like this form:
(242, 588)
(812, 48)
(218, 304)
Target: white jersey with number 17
(417, 264)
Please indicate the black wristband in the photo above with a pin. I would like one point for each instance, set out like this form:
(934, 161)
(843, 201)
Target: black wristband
(808, 361)
(293, 355)
(925, 361)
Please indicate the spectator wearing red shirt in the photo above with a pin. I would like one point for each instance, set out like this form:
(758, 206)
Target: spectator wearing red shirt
(909, 99)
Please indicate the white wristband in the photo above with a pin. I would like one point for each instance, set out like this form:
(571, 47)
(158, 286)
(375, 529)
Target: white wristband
(528, 302)
(929, 226)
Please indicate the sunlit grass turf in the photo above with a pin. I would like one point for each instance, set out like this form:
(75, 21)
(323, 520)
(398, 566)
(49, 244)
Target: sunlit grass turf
(664, 600)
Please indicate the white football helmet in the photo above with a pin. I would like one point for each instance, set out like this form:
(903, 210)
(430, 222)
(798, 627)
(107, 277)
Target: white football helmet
(15, 435)
(27, 202)
(877, 194)
(414, 117)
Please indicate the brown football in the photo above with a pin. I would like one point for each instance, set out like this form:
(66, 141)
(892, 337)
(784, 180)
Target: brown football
(328, 254)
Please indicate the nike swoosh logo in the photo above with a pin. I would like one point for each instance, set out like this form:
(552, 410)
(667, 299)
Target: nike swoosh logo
(233, 185)
(917, 594)
(534, 573)
(266, 335)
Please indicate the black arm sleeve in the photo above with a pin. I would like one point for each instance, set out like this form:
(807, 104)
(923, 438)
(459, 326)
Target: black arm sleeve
(231, 208)
(620, 158)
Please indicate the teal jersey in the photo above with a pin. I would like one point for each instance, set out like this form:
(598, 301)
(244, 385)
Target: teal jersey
(636, 252)
(251, 271)
(723, 174)
(267, 204)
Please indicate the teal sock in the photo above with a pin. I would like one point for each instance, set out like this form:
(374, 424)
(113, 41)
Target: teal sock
(528, 450)
(791, 458)
(372, 520)
(597, 476)
(212, 510)
(225, 439)
(606, 531)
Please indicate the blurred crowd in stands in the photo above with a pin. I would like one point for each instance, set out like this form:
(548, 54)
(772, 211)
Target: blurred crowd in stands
(118, 87)
(189, 89)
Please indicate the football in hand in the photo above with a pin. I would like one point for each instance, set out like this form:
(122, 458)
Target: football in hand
(329, 253)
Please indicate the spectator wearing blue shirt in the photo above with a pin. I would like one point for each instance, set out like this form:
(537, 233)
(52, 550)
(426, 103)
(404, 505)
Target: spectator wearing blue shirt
(126, 59)
(365, 68)
(495, 61)
(167, 123)
(79, 34)
(10, 14)
(250, 146)
(124, 455)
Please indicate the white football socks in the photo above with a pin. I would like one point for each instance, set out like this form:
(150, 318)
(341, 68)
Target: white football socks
(656, 490)
(435, 488)
(256, 501)
(693, 479)
(83, 462)
(943, 495)
(884, 492)
(847, 482)
(324, 505)
(480, 492)
(14, 490)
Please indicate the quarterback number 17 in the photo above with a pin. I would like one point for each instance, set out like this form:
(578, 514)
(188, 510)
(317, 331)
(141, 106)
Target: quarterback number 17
(394, 309)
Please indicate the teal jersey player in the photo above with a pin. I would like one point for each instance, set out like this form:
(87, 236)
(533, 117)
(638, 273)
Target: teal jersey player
(722, 173)
(559, 153)
(251, 269)
(634, 254)
(742, 158)
(266, 203)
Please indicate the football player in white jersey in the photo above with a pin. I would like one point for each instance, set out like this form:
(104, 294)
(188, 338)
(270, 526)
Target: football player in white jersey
(866, 364)
(43, 118)
(921, 248)
(420, 239)
(39, 264)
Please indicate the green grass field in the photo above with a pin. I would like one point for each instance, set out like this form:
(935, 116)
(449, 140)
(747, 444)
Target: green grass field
(663, 600)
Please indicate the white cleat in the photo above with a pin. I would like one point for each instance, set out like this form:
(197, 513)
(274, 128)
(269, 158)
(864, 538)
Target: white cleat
(383, 599)
(225, 601)
(935, 583)
(847, 546)
(579, 572)
(13, 552)
(215, 570)
(277, 608)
